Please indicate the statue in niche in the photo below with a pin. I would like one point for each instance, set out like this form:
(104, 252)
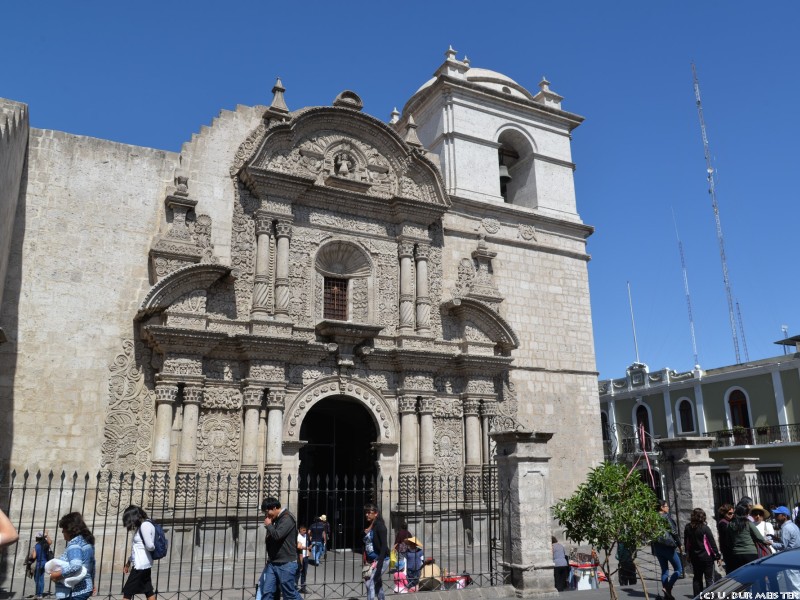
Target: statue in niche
(344, 165)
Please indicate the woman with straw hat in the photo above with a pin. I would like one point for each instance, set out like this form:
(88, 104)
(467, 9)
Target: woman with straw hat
(765, 528)
(414, 560)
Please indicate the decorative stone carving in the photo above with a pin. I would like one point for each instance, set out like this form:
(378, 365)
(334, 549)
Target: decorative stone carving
(480, 385)
(243, 248)
(360, 300)
(183, 364)
(491, 225)
(383, 413)
(472, 406)
(448, 447)
(218, 450)
(466, 273)
(448, 408)
(267, 370)
(222, 398)
(129, 422)
(407, 404)
(527, 232)
(222, 370)
(193, 302)
(418, 381)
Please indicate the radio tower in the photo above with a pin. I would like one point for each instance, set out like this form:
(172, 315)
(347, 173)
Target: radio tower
(686, 289)
(720, 239)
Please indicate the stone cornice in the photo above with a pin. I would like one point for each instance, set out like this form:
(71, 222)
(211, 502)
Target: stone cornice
(174, 339)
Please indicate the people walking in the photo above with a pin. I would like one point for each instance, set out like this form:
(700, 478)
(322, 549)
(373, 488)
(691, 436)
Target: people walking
(78, 555)
(724, 516)
(376, 551)
(741, 535)
(303, 544)
(698, 540)
(139, 565)
(281, 568)
(666, 550)
(39, 556)
(319, 539)
(789, 531)
(765, 528)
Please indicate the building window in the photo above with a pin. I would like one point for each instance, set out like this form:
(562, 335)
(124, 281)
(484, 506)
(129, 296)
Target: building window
(643, 424)
(517, 176)
(685, 416)
(335, 299)
(737, 402)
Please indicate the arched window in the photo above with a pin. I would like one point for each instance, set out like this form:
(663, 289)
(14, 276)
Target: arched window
(516, 172)
(737, 403)
(643, 423)
(604, 425)
(344, 272)
(685, 416)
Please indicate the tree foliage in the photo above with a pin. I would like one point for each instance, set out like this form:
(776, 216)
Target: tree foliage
(614, 505)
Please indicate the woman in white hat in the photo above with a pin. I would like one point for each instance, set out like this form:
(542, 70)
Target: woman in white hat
(765, 528)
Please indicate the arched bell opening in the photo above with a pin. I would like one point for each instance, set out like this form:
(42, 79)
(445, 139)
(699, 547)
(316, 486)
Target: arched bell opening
(515, 169)
(338, 468)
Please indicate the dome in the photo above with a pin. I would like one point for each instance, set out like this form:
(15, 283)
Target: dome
(489, 79)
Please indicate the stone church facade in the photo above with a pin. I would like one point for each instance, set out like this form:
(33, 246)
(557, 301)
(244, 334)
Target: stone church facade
(215, 311)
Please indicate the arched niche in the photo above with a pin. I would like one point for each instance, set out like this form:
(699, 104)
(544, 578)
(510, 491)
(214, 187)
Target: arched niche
(180, 282)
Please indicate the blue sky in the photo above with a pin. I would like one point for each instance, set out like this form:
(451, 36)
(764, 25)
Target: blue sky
(152, 73)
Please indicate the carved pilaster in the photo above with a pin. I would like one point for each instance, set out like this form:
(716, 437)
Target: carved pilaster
(426, 456)
(251, 406)
(261, 285)
(283, 233)
(275, 406)
(423, 301)
(409, 446)
(166, 394)
(405, 250)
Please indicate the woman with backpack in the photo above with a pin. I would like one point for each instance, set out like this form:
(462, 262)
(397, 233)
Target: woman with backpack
(40, 554)
(698, 540)
(140, 562)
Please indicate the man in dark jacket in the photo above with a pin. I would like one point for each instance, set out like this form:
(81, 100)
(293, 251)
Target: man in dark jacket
(281, 567)
(376, 549)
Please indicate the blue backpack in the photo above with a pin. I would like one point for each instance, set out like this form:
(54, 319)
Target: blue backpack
(160, 541)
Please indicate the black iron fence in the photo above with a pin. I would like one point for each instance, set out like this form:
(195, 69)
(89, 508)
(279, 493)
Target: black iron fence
(767, 488)
(216, 534)
(754, 436)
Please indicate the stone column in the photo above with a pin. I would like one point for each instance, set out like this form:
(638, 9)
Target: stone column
(248, 478)
(488, 410)
(472, 429)
(422, 254)
(523, 473)
(409, 447)
(272, 470)
(166, 394)
(186, 478)
(744, 477)
(260, 308)
(688, 475)
(283, 233)
(405, 250)
(426, 457)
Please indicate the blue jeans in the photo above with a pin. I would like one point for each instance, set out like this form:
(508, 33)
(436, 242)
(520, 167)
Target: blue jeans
(317, 551)
(375, 583)
(38, 578)
(274, 576)
(668, 556)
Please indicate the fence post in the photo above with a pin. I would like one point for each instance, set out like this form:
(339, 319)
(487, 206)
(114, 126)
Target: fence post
(688, 475)
(744, 478)
(525, 499)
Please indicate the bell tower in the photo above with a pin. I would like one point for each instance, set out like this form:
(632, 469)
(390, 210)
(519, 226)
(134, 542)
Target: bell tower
(496, 142)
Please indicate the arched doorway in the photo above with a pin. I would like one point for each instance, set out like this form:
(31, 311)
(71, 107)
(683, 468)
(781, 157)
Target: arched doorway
(337, 467)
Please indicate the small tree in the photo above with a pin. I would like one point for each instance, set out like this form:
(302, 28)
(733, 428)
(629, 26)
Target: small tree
(613, 506)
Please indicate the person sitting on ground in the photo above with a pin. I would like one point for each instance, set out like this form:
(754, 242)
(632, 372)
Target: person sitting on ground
(431, 576)
(414, 561)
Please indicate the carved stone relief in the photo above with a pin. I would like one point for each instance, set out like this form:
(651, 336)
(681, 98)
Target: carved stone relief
(221, 370)
(267, 371)
(183, 364)
(193, 302)
(222, 398)
(448, 408)
(243, 248)
(448, 438)
(360, 300)
(218, 441)
(129, 423)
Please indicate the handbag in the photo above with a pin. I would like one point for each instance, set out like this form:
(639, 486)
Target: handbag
(393, 559)
(367, 570)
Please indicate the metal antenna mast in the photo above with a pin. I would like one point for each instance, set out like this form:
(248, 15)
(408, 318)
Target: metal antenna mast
(633, 323)
(686, 289)
(720, 239)
(741, 329)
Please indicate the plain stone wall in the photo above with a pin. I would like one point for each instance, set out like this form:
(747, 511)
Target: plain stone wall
(90, 212)
(208, 158)
(13, 143)
(545, 285)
